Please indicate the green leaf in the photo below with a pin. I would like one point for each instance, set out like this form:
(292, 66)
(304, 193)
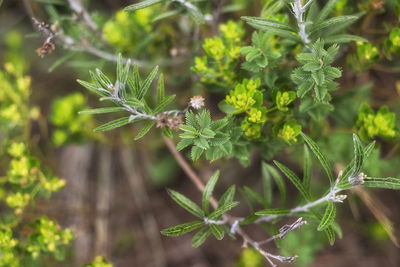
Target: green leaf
(113, 124)
(332, 22)
(251, 194)
(323, 14)
(272, 212)
(304, 88)
(186, 203)
(160, 89)
(267, 184)
(268, 23)
(182, 228)
(343, 38)
(201, 236)
(307, 169)
(358, 156)
(145, 129)
(142, 5)
(183, 144)
(217, 231)
(165, 102)
(227, 197)
(146, 83)
(221, 210)
(344, 182)
(191, 119)
(203, 119)
(207, 193)
(207, 133)
(196, 153)
(387, 183)
(329, 216)
(294, 179)
(317, 152)
(92, 87)
(189, 129)
(279, 182)
(330, 233)
(201, 143)
(134, 102)
(101, 110)
(276, 27)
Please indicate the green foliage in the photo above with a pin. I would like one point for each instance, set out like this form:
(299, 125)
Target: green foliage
(213, 138)
(316, 74)
(129, 93)
(210, 222)
(263, 52)
(381, 123)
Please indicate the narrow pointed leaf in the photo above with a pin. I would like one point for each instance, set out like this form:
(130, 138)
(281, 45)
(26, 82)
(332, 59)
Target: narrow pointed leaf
(273, 212)
(113, 124)
(163, 103)
(141, 5)
(182, 228)
(216, 214)
(387, 183)
(329, 216)
(328, 7)
(92, 87)
(201, 236)
(358, 156)
(279, 182)
(344, 38)
(294, 179)
(186, 203)
(147, 82)
(101, 110)
(227, 197)
(160, 89)
(330, 234)
(208, 190)
(344, 182)
(267, 184)
(317, 152)
(332, 22)
(307, 169)
(217, 231)
(145, 129)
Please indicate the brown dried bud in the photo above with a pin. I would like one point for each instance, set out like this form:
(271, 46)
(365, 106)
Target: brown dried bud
(197, 102)
(46, 49)
(162, 120)
(174, 123)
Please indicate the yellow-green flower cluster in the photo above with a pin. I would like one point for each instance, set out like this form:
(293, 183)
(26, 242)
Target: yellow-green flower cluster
(14, 94)
(250, 257)
(24, 173)
(284, 99)
(71, 126)
(367, 53)
(127, 29)
(290, 132)
(99, 261)
(48, 237)
(246, 98)
(392, 44)
(8, 256)
(373, 124)
(222, 54)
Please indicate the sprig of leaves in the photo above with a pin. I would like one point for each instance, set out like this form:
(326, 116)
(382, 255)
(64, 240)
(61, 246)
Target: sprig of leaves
(210, 221)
